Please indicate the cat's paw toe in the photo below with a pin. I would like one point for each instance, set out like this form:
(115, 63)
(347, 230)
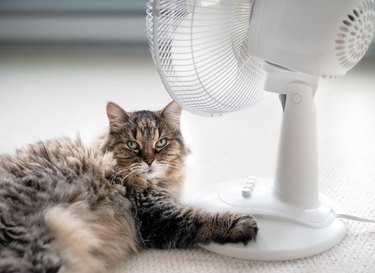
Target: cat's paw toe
(243, 230)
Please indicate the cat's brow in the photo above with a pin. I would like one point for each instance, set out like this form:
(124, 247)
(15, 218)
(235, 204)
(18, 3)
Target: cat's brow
(138, 134)
(156, 133)
(133, 132)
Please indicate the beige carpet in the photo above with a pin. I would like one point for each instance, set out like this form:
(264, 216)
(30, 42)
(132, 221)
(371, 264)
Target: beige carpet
(44, 96)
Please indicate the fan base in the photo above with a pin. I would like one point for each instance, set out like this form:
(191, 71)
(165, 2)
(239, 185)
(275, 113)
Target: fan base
(285, 231)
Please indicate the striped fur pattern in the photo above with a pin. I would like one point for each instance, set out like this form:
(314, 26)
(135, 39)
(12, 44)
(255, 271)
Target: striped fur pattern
(65, 207)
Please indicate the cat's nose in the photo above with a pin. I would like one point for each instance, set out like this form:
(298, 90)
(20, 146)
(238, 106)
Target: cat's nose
(149, 161)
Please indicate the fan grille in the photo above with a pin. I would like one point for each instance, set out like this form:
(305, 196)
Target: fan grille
(200, 48)
(355, 34)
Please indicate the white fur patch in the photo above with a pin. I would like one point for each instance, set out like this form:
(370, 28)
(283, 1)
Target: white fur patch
(156, 170)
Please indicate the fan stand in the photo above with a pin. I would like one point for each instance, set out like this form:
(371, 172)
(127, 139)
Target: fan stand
(294, 220)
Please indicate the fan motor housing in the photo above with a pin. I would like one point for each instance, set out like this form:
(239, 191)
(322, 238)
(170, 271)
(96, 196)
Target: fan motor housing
(324, 38)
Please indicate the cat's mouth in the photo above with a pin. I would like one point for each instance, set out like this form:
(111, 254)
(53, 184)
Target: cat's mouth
(151, 172)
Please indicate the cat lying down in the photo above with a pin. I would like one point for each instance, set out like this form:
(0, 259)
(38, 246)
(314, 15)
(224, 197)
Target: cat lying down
(68, 208)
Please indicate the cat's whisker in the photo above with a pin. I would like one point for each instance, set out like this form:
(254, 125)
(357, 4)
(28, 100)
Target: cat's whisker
(128, 171)
(115, 176)
(171, 165)
(129, 174)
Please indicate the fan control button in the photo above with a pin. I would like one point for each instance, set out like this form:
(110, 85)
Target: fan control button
(296, 98)
(248, 188)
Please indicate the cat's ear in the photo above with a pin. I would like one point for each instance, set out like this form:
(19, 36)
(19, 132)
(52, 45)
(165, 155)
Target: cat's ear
(115, 113)
(172, 112)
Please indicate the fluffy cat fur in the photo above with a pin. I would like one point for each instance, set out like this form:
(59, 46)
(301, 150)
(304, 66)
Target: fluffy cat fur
(65, 207)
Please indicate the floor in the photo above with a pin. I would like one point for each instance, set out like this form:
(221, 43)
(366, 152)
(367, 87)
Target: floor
(50, 95)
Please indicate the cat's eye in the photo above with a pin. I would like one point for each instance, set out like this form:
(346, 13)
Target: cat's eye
(133, 145)
(161, 143)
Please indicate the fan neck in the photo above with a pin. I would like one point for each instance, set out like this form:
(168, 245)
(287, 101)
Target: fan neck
(296, 179)
(279, 78)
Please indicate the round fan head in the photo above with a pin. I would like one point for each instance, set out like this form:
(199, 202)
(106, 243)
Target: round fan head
(355, 34)
(319, 38)
(201, 50)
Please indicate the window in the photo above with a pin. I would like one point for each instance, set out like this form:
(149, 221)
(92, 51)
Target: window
(72, 22)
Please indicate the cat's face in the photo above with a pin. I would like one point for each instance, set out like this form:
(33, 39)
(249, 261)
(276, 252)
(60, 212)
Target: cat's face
(145, 143)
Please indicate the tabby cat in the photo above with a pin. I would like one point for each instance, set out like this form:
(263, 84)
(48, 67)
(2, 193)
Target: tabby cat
(68, 208)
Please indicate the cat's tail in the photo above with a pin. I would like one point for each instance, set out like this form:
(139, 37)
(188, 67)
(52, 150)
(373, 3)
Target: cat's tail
(74, 238)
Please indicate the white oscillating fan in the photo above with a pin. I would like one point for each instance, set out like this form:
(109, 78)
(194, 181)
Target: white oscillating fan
(216, 56)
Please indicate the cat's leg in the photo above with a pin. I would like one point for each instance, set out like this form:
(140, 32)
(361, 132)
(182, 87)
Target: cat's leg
(92, 239)
(75, 240)
(226, 227)
(167, 224)
(186, 227)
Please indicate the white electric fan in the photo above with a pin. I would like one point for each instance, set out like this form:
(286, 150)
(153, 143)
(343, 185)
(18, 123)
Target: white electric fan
(216, 56)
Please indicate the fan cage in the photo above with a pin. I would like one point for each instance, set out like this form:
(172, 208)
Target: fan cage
(200, 49)
(355, 34)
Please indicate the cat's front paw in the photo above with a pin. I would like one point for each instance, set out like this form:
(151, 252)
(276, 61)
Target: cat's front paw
(240, 228)
(243, 230)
